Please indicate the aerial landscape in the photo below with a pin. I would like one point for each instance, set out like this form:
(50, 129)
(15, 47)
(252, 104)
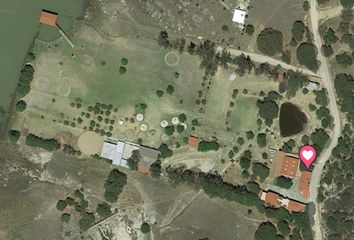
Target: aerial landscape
(177, 120)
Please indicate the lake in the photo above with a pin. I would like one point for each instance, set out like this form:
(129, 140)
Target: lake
(18, 27)
(292, 120)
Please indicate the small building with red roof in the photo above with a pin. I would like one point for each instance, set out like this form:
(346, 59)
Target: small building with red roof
(48, 18)
(193, 141)
(286, 165)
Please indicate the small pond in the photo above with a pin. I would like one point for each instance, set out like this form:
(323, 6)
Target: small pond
(292, 120)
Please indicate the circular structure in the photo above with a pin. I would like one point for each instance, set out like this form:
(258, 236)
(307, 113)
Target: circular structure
(175, 120)
(143, 127)
(172, 59)
(63, 89)
(184, 125)
(42, 83)
(139, 117)
(164, 123)
(90, 143)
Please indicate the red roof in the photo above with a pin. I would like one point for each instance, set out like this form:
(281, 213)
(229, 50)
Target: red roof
(145, 170)
(286, 165)
(48, 18)
(193, 141)
(296, 206)
(304, 185)
(271, 198)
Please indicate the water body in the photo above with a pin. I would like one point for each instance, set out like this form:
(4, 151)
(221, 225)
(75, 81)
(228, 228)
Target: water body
(18, 28)
(292, 120)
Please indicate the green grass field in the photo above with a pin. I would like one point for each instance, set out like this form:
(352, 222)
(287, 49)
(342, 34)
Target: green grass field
(244, 116)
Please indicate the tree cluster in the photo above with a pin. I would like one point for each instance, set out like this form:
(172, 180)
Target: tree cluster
(47, 144)
(114, 185)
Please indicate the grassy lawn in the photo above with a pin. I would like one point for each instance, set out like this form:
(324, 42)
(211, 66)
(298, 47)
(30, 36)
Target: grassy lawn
(244, 116)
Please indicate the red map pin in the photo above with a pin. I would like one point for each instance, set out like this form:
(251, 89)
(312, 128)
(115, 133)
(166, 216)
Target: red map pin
(307, 155)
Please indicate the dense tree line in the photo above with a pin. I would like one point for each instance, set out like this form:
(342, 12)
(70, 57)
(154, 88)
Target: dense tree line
(206, 146)
(214, 186)
(270, 41)
(47, 144)
(26, 78)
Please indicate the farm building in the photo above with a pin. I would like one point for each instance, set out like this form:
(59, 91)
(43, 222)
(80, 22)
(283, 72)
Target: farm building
(193, 141)
(286, 165)
(48, 18)
(304, 185)
(114, 152)
(239, 16)
(313, 86)
(272, 199)
(149, 156)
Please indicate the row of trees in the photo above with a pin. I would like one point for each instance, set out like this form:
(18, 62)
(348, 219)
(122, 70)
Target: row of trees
(47, 144)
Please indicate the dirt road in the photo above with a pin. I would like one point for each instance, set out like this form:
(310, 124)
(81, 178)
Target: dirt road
(326, 154)
(262, 59)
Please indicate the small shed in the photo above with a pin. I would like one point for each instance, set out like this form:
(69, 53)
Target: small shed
(239, 16)
(48, 18)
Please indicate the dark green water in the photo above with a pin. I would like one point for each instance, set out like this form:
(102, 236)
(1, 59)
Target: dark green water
(292, 120)
(18, 27)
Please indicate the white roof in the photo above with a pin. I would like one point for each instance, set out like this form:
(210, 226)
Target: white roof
(239, 16)
(113, 152)
(128, 149)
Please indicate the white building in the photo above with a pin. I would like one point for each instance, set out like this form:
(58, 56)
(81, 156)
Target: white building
(313, 86)
(239, 16)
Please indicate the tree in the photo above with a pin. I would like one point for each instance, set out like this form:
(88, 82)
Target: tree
(61, 205)
(330, 37)
(182, 117)
(260, 170)
(180, 128)
(284, 182)
(245, 161)
(145, 228)
(268, 109)
(134, 160)
(306, 6)
(87, 220)
(65, 217)
(104, 210)
(79, 194)
(265, 231)
(30, 57)
(344, 59)
(270, 41)
(283, 227)
(21, 106)
(165, 152)
(114, 185)
(14, 135)
(262, 140)
(306, 54)
(170, 89)
(122, 70)
(249, 29)
(347, 3)
(319, 139)
(298, 30)
(327, 50)
(169, 130)
(250, 135)
(47, 144)
(156, 169)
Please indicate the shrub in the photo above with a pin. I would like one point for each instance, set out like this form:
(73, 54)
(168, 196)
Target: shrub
(104, 210)
(124, 61)
(298, 30)
(249, 29)
(260, 170)
(182, 117)
(65, 217)
(283, 228)
(145, 228)
(262, 140)
(265, 231)
(225, 28)
(165, 152)
(122, 70)
(14, 135)
(159, 93)
(327, 50)
(169, 130)
(270, 41)
(87, 220)
(61, 205)
(114, 185)
(205, 146)
(180, 128)
(306, 54)
(330, 37)
(284, 182)
(344, 59)
(170, 89)
(47, 144)
(21, 106)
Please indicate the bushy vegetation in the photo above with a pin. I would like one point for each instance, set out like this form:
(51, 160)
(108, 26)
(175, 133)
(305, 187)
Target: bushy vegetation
(47, 144)
(145, 228)
(165, 152)
(205, 146)
(21, 106)
(104, 210)
(298, 30)
(283, 182)
(14, 135)
(268, 109)
(265, 231)
(260, 170)
(25, 80)
(87, 220)
(114, 185)
(270, 41)
(344, 59)
(306, 54)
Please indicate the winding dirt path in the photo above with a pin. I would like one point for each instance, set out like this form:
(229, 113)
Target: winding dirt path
(326, 154)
